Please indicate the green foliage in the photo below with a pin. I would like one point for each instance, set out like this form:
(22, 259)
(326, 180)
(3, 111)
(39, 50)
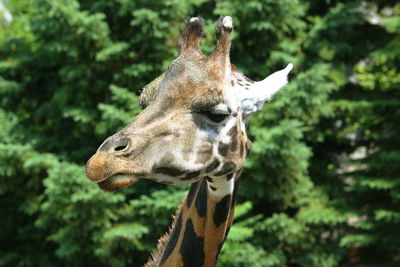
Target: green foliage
(320, 188)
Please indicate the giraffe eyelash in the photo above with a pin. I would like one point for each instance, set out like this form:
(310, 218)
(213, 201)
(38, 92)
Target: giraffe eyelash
(215, 117)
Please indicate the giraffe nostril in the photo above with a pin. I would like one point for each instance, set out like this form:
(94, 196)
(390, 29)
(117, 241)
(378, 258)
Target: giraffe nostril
(119, 148)
(120, 144)
(115, 144)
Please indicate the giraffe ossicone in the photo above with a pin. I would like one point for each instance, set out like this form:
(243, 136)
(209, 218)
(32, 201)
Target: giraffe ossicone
(192, 131)
(227, 22)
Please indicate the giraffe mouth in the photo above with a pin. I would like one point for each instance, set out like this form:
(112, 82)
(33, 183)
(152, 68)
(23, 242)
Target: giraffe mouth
(117, 182)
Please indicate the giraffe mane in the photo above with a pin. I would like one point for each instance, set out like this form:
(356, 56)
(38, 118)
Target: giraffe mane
(158, 252)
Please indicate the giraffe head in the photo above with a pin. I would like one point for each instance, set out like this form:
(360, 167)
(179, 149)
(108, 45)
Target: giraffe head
(193, 124)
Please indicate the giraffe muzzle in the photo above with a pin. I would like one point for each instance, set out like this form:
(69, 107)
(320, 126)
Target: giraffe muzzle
(103, 170)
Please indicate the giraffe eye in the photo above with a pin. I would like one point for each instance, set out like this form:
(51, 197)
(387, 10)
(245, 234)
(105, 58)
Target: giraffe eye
(215, 113)
(215, 117)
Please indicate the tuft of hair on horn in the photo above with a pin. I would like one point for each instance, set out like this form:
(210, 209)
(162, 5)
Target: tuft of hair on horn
(191, 35)
(194, 27)
(224, 26)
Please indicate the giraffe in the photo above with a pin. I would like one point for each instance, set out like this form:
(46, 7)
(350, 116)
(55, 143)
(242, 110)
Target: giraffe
(192, 131)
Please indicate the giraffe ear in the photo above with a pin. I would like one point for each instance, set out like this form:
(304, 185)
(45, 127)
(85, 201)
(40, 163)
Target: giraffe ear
(253, 99)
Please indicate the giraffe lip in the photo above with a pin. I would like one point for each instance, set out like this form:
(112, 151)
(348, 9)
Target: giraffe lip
(117, 181)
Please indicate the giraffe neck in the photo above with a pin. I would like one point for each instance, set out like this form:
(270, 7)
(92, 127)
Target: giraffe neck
(200, 226)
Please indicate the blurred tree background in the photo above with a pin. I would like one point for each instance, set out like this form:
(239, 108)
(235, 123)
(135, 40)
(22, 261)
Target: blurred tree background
(320, 188)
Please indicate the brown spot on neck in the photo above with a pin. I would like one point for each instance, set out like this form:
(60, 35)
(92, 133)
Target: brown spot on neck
(194, 239)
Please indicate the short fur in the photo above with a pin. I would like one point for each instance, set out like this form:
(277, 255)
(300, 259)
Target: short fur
(192, 131)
